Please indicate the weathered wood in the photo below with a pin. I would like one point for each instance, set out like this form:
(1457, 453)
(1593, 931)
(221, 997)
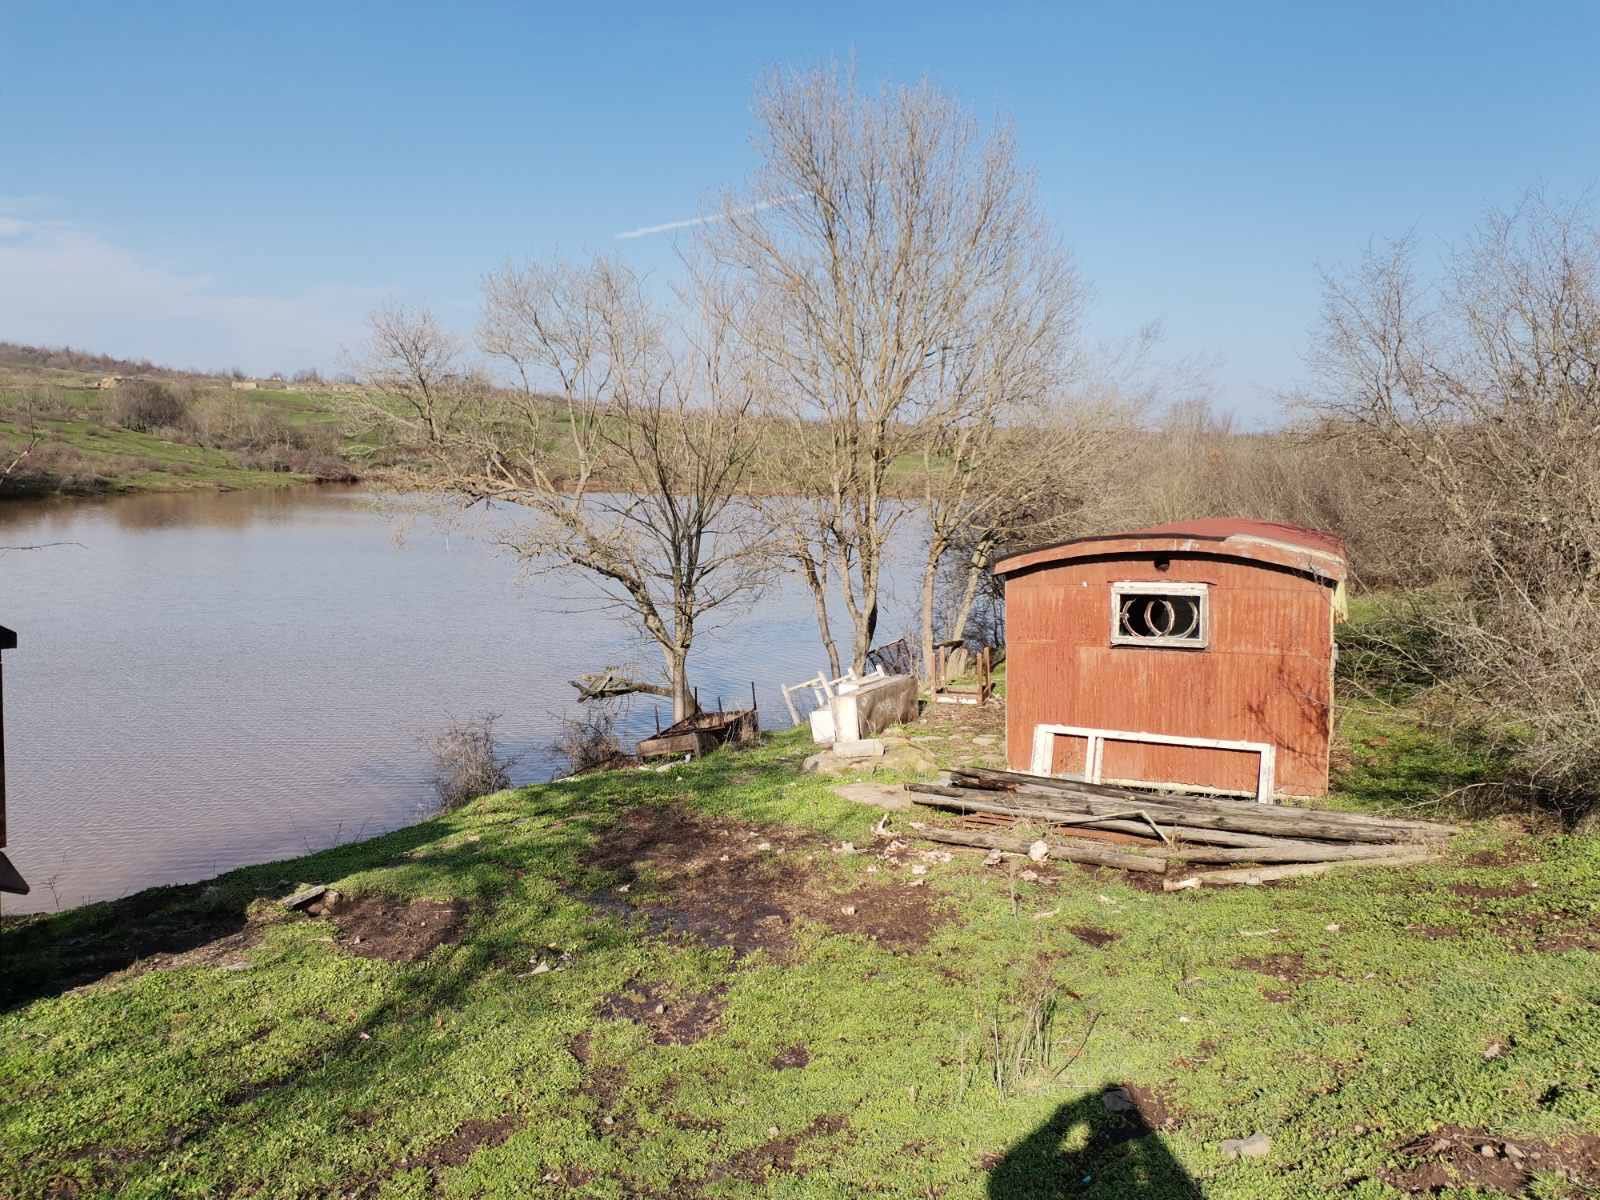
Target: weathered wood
(1209, 814)
(958, 800)
(1274, 822)
(1083, 852)
(984, 777)
(1250, 876)
(1285, 851)
(1259, 849)
(304, 896)
(702, 733)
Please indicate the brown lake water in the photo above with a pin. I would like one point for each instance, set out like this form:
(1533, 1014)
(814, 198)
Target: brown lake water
(209, 680)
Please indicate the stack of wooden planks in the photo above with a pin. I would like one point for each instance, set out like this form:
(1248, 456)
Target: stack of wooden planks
(1169, 833)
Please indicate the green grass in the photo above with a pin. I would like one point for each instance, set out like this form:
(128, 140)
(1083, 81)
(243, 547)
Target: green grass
(315, 1072)
(81, 450)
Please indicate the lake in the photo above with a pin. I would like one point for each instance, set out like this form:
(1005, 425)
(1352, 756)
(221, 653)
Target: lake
(208, 680)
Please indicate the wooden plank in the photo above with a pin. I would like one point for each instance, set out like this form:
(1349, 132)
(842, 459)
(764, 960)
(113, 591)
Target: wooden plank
(957, 800)
(1284, 815)
(1252, 876)
(1070, 851)
(1301, 824)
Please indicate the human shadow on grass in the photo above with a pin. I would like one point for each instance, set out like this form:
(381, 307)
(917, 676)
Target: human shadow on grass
(1115, 1152)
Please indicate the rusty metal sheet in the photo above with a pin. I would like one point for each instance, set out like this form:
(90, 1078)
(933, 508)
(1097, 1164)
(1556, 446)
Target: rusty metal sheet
(1265, 675)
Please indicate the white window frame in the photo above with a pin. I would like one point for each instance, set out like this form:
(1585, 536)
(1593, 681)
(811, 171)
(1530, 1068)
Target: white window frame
(1094, 753)
(1201, 591)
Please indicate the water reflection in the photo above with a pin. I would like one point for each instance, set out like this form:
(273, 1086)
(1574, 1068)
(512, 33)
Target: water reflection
(207, 680)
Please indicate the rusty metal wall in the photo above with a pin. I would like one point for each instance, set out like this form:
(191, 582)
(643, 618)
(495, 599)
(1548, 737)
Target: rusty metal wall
(1266, 675)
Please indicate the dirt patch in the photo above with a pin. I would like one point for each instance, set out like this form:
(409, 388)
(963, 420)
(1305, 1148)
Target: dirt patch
(1479, 892)
(1506, 856)
(693, 1123)
(791, 1057)
(469, 1137)
(1090, 936)
(724, 884)
(902, 918)
(718, 883)
(1434, 933)
(1453, 1157)
(776, 1155)
(1155, 1109)
(1140, 881)
(603, 1085)
(1546, 932)
(378, 926)
(100, 1171)
(1570, 939)
(673, 1020)
(1286, 967)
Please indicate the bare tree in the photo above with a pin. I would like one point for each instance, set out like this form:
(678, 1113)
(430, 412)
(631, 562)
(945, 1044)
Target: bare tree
(414, 375)
(880, 232)
(1484, 392)
(628, 441)
(1043, 475)
(1004, 441)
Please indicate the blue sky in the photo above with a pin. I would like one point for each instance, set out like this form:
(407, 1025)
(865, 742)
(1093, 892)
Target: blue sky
(218, 184)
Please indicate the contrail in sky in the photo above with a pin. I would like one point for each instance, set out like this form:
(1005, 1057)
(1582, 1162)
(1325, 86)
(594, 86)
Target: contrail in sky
(709, 220)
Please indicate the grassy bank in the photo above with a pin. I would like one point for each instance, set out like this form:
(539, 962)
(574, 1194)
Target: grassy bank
(273, 435)
(644, 984)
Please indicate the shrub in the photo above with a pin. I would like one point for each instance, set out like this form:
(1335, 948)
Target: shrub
(467, 762)
(144, 405)
(1481, 389)
(589, 741)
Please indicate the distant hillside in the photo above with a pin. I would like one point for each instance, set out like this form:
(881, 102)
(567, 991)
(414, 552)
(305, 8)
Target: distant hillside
(65, 358)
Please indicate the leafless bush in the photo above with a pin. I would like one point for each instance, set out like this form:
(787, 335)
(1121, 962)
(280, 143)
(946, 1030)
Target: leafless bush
(589, 740)
(144, 405)
(1480, 396)
(467, 762)
(37, 402)
(54, 467)
(262, 440)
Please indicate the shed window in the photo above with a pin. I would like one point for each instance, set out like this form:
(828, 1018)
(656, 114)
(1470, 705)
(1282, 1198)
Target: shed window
(1160, 614)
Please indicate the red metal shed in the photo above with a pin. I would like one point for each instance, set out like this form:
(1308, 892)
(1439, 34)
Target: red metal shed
(1199, 653)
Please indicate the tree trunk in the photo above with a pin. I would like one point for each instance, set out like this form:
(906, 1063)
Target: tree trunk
(975, 569)
(683, 704)
(819, 600)
(865, 610)
(930, 572)
(863, 638)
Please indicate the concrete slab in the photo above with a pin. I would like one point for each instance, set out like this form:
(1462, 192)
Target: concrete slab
(877, 795)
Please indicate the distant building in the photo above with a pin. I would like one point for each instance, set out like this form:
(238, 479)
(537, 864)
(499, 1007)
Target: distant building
(243, 385)
(106, 384)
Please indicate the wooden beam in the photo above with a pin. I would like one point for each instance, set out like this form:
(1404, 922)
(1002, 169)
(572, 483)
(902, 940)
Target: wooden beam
(1251, 876)
(1070, 851)
(957, 800)
(1209, 813)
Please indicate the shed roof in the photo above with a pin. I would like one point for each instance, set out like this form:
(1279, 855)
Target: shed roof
(1291, 546)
